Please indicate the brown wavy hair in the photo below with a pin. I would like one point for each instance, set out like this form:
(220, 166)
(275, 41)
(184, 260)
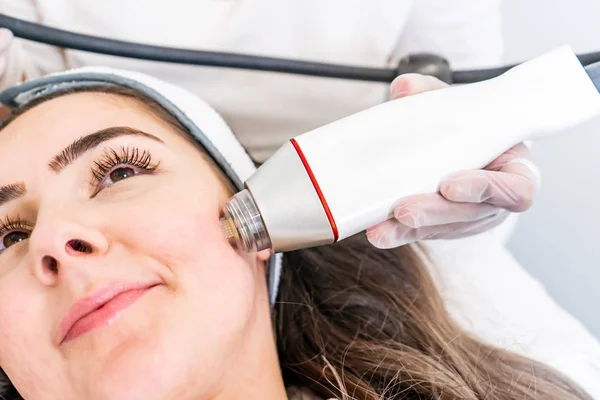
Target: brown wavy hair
(356, 322)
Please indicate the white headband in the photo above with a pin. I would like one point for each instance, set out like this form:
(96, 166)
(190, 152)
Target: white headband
(201, 120)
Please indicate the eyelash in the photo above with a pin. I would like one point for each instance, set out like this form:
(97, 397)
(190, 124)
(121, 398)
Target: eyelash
(11, 225)
(129, 156)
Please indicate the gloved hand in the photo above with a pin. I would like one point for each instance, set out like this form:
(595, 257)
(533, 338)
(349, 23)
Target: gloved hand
(6, 38)
(468, 202)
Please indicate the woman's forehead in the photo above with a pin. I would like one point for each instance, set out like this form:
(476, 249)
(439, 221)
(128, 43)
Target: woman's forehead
(59, 121)
(30, 142)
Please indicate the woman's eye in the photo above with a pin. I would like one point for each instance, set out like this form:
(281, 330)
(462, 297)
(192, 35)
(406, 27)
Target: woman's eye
(118, 174)
(114, 175)
(13, 238)
(113, 167)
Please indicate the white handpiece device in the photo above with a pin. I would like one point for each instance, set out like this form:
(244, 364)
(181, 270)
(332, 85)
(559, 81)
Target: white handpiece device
(342, 178)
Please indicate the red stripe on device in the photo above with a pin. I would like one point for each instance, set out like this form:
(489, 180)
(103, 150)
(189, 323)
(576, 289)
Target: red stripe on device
(317, 189)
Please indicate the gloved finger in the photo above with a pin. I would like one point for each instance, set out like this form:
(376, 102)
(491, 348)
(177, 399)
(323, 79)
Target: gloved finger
(433, 209)
(409, 84)
(6, 37)
(391, 233)
(527, 168)
(516, 152)
(513, 187)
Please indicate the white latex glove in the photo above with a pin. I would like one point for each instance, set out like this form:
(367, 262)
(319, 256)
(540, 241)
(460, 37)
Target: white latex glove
(6, 38)
(468, 202)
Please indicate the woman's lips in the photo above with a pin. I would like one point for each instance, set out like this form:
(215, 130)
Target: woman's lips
(99, 308)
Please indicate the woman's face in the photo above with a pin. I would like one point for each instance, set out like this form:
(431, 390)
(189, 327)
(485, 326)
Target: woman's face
(115, 278)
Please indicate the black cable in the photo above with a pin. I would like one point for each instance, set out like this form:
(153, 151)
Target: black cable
(478, 75)
(76, 41)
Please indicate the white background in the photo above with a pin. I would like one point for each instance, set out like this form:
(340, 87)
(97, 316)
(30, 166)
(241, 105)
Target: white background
(558, 240)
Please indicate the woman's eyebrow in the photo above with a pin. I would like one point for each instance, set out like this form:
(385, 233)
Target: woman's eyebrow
(11, 192)
(86, 143)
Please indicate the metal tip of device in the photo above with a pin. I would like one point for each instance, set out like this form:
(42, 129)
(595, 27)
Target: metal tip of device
(229, 230)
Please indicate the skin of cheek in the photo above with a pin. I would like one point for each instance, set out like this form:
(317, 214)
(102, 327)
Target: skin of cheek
(22, 336)
(211, 288)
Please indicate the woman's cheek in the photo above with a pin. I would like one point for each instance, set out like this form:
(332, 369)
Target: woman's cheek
(164, 225)
(24, 324)
(178, 226)
(217, 284)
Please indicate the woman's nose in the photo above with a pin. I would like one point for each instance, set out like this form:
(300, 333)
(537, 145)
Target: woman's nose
(59, 247)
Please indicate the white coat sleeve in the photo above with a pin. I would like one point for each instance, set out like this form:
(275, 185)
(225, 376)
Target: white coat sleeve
(28, 59)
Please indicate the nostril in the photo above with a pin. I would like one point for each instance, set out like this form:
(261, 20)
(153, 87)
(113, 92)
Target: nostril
(50, 263)
(79, 246)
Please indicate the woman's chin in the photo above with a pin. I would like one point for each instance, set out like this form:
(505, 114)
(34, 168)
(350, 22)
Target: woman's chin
(137, 370)
(127, 359)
